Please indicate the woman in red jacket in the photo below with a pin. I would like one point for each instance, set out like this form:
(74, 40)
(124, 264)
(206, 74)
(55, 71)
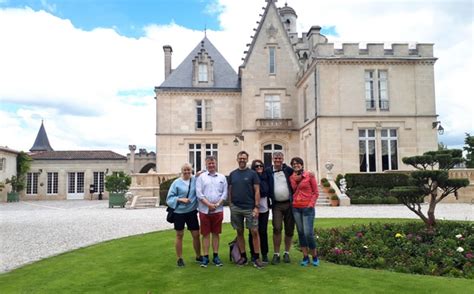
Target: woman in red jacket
(304, 198)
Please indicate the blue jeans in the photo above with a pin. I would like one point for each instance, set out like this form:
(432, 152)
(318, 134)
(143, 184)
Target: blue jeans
(304, 219)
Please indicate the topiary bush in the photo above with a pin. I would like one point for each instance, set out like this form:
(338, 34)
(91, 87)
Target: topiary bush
(402, 247)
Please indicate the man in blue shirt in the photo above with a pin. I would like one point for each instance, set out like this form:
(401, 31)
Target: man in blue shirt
(244, 198)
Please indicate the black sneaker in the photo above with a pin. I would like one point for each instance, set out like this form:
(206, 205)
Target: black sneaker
(180, 262)
(286, 258)
(276, 259)
(264, 259)
(257, 264)
(199, 259)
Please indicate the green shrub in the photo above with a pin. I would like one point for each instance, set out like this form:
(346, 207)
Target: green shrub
(385, 180)
(324, 180)
(331, 191)
(338, 179)
(402, 247)
(326, 185)
(117, 182)
(164, 187)
(391, 200)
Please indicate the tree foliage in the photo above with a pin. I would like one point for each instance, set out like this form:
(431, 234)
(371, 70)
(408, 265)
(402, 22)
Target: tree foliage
(118, 182)
(23, 164)
(469, 148)
(431, 178)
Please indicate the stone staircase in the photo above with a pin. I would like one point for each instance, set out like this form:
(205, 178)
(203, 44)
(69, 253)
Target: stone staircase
(323, 199)
(142, 202)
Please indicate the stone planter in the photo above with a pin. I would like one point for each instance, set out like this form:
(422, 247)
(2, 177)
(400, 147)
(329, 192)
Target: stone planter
(334, 201)
(117, 199)
(13, 197)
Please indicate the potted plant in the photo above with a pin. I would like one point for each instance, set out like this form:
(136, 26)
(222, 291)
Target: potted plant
(334, 200)
(18, 182)
(326, 187)
(117, 185)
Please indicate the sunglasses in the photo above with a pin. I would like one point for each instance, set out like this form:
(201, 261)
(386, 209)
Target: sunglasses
(258, 165)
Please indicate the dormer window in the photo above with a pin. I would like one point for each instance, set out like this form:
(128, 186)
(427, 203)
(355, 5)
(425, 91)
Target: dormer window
(203, 72)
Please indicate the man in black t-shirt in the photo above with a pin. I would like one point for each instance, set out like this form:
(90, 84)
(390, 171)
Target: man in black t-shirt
(244, 199)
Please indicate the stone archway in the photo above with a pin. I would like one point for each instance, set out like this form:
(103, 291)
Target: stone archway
(147, 167)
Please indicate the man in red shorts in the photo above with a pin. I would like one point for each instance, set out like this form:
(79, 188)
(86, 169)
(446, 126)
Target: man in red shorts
(211, 191)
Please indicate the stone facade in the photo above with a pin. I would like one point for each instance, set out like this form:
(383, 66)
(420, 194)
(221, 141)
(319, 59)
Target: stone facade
(64, 168)
(7, 169)
(307, 98)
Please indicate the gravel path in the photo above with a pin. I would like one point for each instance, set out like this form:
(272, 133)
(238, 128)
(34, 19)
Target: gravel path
(30, 231)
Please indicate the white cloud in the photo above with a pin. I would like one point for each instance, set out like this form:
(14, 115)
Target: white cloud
(75, 79)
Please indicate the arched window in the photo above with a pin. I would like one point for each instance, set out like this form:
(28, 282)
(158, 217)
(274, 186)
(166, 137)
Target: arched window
(268, 151)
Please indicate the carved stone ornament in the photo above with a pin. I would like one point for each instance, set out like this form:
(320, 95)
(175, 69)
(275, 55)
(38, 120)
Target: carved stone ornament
(272, 31)
(329, 165)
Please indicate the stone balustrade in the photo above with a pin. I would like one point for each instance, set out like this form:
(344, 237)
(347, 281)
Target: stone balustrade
(274, 124)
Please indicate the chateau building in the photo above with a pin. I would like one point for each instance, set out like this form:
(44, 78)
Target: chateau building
(361, 108)
(69, 174)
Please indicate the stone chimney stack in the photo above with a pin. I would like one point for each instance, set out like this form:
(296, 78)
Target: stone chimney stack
(168, 51)
(314, 37)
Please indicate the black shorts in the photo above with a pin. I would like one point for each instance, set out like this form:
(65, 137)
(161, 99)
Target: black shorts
(189, 218)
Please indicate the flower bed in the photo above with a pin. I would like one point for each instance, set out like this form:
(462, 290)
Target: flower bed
(405, 247)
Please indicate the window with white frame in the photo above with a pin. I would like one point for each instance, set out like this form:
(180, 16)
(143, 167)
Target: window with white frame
(268, 151)
(3, 162)
(76, 182)
(367, 154)
(203, 72)
(32, 183)
(272, 106)
(305, 103)
(389, 149)
(376, 89)
(271, 60)
(211, 149)
(208, 114)
(99, 182)
(195, 156)
(52, 187)
(369, 90)
(203, 115)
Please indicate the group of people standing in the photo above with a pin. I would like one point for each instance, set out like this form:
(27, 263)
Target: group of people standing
(290, 192)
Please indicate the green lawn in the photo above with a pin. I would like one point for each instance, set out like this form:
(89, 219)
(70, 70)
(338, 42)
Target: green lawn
(146, 264)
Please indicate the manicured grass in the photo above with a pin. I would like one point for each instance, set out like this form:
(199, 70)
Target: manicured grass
(147, 264)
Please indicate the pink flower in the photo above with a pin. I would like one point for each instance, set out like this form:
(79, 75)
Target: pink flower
(469, 255)
(359, 235)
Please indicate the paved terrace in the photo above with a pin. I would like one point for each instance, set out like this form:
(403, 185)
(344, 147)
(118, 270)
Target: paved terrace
(30, 231)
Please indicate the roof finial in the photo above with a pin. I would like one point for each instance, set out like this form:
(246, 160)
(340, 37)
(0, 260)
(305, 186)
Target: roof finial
(205, 30)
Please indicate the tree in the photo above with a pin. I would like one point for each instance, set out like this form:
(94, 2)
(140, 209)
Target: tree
(431, 178)
(469, 148)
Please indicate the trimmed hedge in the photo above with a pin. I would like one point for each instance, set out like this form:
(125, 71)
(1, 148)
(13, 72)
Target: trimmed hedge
(380, 180)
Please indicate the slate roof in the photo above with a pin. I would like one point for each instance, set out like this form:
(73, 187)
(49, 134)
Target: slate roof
(225, 76)
(41, 142)
(78, 155)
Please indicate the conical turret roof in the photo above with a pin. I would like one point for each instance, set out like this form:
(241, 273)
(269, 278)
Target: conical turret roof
(41, 142)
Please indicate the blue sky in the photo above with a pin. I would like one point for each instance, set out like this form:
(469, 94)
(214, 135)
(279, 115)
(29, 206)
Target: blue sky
(88, 68)
(128, 17)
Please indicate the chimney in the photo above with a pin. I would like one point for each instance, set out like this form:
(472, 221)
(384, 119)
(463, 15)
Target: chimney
(168, 51)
